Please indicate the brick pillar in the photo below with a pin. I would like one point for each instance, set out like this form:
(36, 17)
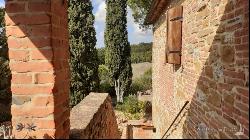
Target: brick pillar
(39, 51)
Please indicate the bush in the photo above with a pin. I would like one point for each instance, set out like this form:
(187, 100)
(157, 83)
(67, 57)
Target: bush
(105, 86)
(143, 83)
(5, 117)
(103, 74)
(5, 73)
(132, 108)
(101, 56)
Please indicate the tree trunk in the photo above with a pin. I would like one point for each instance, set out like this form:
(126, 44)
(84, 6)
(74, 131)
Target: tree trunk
(121, 96)
(119, 93)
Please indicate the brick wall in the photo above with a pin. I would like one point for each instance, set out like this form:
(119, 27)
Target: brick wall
(38, 51)
(213, 74)
(94, 118)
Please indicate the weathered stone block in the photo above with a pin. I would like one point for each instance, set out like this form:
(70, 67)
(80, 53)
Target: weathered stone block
(94, 118)
(20, 100)
(227, 54)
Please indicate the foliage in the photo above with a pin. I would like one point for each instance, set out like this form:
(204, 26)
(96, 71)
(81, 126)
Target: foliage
(117, 51)
(143, 83)
(101, 56)
(3, 39)
(132, 108)
(103, 73)
(5, 74)
(139, 53)
(5, 117)
(105, 86)
(83, 54)
(140, 9)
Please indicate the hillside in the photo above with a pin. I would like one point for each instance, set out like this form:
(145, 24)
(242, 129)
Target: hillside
(139, 53)
(140, 68)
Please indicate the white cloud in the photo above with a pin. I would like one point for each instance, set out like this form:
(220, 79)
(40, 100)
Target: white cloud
(100, 14)
(97, 2)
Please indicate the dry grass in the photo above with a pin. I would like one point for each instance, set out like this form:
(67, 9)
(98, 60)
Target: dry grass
(140, 68)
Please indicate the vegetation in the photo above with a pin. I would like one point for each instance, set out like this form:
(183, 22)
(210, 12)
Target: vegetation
(139, 53)
(4, 117)
(101, 56)
(5, 74)
(117, 51)
(132, 108)
(140, 9)
(143, 83)
(83, 54)
(105, 86)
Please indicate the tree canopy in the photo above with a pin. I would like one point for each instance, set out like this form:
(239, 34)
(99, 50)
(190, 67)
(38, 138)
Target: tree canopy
(5, 74)
(83, 54)
(140, 9)
(118, 57)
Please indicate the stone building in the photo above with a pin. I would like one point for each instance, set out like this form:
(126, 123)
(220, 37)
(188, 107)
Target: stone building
(38, 43)
(200, 55)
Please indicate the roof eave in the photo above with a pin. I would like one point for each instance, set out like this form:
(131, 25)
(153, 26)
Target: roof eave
(155, 11)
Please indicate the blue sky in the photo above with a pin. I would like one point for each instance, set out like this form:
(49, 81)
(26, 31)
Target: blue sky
(136, 35)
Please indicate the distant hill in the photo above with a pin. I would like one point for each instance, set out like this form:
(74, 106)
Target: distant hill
(140, 68)
(139, 53)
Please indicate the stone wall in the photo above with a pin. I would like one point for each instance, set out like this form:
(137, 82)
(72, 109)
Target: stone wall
(94, 118)
(38, 50)
(213, 74)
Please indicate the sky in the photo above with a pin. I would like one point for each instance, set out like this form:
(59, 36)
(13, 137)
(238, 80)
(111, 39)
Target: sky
(135, 34)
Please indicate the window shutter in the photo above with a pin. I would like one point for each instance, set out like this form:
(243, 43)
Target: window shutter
(174, 39)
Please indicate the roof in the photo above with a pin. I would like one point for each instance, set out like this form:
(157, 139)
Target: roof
(155, 11)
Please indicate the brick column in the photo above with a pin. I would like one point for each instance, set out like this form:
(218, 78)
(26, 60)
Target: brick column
(39, 51)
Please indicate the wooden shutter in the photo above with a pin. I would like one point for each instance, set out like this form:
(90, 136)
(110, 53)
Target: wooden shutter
(174, 38)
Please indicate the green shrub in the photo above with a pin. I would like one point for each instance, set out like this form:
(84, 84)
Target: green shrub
(5, 73)
(103, 73)
(143, 83)
(131, 107)
(101, 56)
(105, 86)
(5, 117)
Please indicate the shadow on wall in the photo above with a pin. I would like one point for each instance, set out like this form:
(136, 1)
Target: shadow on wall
(220, 106)
(38, 52)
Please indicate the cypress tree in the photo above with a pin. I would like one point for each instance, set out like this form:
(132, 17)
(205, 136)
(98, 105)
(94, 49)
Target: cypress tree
(83, 54)
(5, 74)
(117, 56)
